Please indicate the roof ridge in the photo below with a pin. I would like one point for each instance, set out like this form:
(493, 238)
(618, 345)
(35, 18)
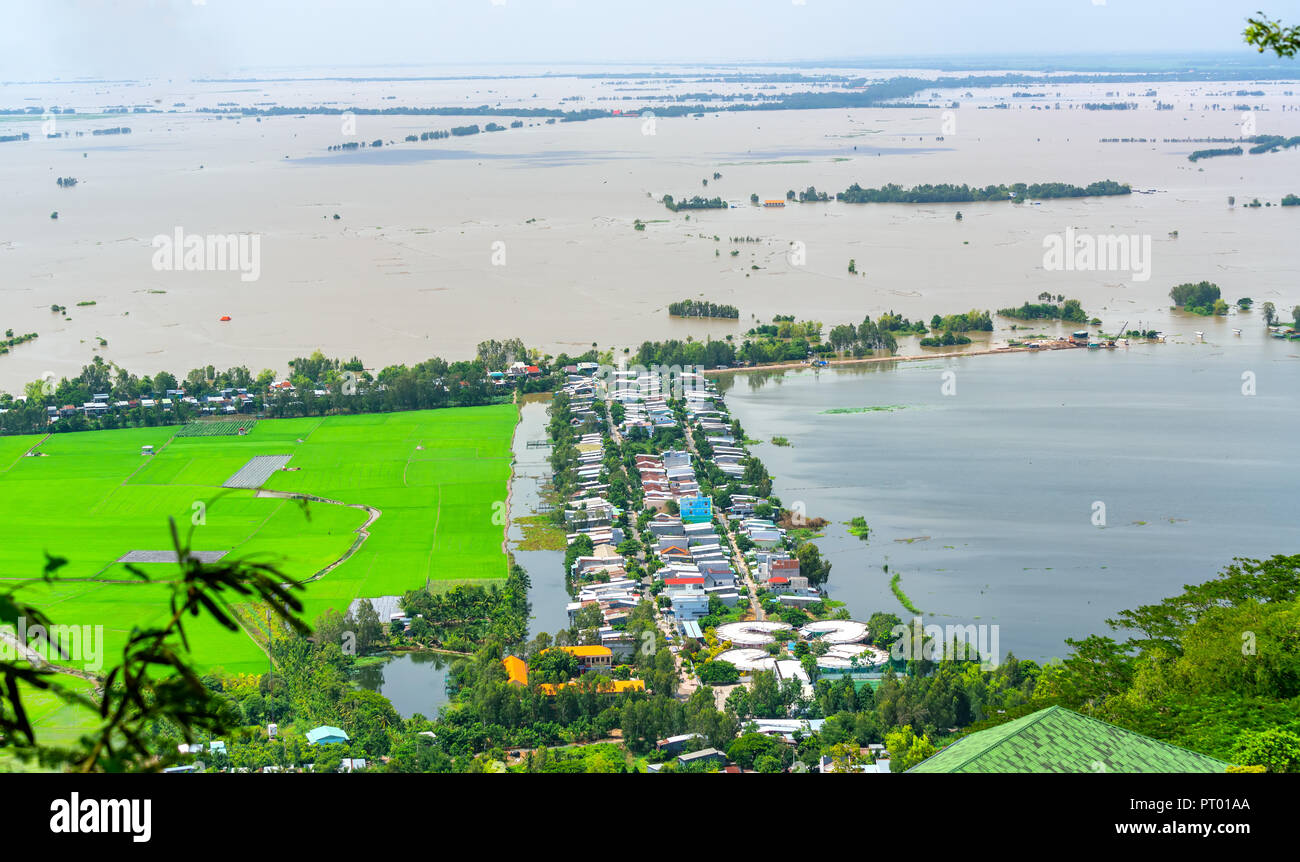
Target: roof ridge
(1055, 709)
(1182, 748)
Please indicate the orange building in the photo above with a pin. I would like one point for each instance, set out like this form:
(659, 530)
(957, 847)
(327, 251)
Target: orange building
(516, 669)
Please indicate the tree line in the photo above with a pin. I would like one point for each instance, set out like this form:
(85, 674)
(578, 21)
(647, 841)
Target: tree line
(948, 193)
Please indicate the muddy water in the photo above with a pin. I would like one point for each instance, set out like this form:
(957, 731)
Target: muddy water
(528, 232)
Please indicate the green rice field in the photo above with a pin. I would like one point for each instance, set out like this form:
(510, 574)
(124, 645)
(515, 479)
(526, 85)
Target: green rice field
(437, 478)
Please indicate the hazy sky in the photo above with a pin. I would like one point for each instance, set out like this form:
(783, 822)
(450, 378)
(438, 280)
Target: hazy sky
(181, 38)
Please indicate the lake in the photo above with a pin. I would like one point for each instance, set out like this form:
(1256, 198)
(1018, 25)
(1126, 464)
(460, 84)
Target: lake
(415, 682)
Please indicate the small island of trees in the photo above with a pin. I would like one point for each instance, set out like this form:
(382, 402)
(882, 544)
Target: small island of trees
(1048, 308)
(694, 203)
(1200, 298)
(701, 308)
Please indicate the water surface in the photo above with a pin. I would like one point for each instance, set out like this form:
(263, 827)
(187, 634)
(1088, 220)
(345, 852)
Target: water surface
(985, 500)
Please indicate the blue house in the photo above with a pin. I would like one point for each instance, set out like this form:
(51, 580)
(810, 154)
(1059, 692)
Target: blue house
(696, 510)
(326, 734)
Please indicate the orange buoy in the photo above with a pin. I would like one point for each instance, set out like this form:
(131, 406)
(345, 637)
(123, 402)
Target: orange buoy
(225, 319)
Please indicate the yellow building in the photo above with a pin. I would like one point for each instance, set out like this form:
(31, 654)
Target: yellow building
(591, 657)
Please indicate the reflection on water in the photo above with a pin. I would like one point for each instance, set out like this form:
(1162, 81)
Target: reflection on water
(415, 682)
(984, 500)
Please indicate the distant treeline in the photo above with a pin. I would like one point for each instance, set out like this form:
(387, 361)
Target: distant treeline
(347, 388)
(1272, 143)
(694, 308)
(1211, 153)
(694, 203)
(1262, 144)
(948, 193)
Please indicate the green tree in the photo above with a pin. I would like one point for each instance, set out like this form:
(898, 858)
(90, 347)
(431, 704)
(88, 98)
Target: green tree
(719, 673)
(1275, 749)
(906, 749)
(1266, 34)
(370, 629)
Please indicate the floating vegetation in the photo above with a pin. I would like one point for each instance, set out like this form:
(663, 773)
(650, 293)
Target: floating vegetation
(914, 539)
(879, 408)
(858, 527)
(540, 534)
(780, 441)
(902, 596)
(804, 534)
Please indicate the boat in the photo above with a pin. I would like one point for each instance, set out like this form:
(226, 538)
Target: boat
(1200, 334)
(1236, 332)
(225, 318)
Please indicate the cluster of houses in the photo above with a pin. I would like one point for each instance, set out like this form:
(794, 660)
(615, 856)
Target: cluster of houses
(774, 568)
(666, 478)
(516, 372)
(690, 749)
(581, 389)
(601, 578)
(695, 564)
(644, 404)
(227, 402)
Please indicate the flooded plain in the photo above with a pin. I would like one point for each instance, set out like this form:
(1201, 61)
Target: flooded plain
(529, 231)
(1045, 493)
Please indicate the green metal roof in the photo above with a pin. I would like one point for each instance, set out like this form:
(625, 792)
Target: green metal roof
(1061, 740)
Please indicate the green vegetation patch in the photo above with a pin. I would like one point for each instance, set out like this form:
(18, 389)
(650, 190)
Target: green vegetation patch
(540, 534)
(878, 408)
(897, 587)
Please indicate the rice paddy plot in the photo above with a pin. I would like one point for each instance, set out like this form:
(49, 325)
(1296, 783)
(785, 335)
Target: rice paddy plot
(437, 479)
